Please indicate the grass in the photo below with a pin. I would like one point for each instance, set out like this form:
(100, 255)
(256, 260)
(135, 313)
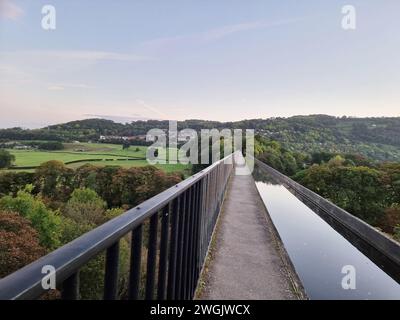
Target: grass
(85, 151)
(35, 158)
(106, 149)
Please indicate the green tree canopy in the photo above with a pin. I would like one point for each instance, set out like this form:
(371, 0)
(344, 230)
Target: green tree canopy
(6, 159)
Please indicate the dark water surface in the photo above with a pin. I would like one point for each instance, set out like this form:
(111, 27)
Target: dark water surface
(318, 252)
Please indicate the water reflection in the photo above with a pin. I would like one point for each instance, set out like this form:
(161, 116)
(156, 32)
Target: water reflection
(318, 251)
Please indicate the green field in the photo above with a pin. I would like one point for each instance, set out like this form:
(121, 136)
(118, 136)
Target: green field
(108, 154)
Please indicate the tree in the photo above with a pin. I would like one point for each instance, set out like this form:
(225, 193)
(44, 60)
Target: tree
(125, 145)
(85, 206)
(53, 180)
(6, 159)
(19, 243)
(359, 190)
(390, 220)
(46, 222)
(11, 182)
(50, 145)
(336, 161)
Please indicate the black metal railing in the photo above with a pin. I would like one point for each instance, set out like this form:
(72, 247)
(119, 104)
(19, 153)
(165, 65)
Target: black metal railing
(178, 222)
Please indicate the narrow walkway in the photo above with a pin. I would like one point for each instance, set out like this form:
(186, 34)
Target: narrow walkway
(245, 263)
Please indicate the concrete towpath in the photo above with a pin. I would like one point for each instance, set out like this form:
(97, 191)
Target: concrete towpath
(247, 259)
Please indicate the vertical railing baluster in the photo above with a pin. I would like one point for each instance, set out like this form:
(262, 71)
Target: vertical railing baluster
(173, 266)
(162, 270)
(191, 240)
(207, 213)
(198, 233)
(111, 274)
(151, 257)
(70, 287)
(181, 246)
(136, 260)
(186, 244)
(195, 236)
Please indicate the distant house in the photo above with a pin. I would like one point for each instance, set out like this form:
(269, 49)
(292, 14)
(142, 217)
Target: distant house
(123, 138)
(138, 137)
(22, 147)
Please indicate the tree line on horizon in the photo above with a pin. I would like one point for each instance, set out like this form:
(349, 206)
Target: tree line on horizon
(377, 137)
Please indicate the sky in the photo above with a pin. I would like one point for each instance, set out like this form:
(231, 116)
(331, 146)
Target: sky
(220, 60)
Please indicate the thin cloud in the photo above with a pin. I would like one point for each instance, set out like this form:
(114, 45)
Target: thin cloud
(151, 108)
(121, 119)
(83, 55)
(9, 10)
(61, 87)
(55, 88)
(216, 33)
(225, 31)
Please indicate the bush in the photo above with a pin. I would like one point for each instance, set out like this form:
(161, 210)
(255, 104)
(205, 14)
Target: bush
(19, 243)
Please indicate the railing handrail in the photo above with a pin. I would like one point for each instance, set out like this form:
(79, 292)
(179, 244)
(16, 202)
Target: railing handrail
(26, 283)
(376, 239)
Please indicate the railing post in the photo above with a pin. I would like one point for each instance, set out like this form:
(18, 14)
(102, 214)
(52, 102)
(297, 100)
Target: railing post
(173, 266)
(136, 259)
(186, 244)
(162, 270)
(111, 274)
(70, 287)
(181, 246)
(191, 242)
(151, 257)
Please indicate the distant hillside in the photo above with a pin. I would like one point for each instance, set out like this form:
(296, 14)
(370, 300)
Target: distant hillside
(377, 138)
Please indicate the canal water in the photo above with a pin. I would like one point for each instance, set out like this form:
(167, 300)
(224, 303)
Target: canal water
(318, 252)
